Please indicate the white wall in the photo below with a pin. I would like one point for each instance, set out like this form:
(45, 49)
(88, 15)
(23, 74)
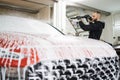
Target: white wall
(59, 15)
(116, 26)
(112, 28)
(107, 34)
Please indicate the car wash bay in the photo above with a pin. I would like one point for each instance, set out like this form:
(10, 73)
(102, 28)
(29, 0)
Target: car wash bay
(58, 13)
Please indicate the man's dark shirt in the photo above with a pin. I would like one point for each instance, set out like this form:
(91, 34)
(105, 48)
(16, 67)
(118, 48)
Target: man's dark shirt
(95, 29)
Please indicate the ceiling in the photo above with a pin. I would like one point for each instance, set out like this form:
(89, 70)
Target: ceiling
(106, 5)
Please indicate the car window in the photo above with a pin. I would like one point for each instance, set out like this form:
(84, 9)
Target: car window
(18, 24)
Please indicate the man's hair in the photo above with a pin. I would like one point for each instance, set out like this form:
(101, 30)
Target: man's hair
(97, 12)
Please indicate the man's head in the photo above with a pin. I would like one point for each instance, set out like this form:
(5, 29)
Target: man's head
(96, 16)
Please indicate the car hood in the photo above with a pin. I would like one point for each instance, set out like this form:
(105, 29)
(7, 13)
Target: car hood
(23, 49)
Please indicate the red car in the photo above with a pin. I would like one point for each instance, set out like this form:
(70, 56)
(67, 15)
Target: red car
(32, 50)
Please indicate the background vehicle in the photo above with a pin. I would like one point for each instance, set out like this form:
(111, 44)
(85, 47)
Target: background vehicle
(30, 49)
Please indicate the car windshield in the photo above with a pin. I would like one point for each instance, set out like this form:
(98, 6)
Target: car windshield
(18, 24)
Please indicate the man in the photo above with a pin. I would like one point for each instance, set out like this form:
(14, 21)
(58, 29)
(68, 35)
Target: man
(94, 27)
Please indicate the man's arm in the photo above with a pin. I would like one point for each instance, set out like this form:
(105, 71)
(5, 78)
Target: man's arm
(92, 26)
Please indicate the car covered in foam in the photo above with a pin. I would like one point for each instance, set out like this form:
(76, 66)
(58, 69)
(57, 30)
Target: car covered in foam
(33, 50)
